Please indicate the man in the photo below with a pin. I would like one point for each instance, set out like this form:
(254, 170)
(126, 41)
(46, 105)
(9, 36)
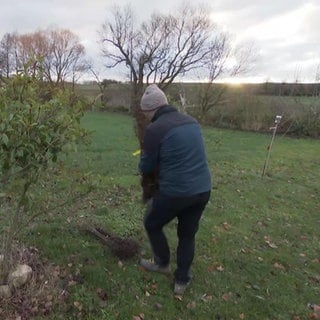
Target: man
(173, 147)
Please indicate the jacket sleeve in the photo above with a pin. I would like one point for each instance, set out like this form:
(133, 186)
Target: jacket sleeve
(150, 153)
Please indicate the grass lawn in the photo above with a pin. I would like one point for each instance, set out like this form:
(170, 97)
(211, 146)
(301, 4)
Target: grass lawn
(258, 247)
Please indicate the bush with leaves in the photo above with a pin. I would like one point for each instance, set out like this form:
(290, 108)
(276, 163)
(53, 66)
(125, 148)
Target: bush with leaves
(37, 125)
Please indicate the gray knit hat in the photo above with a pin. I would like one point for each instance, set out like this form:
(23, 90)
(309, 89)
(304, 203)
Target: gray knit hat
(153, 98)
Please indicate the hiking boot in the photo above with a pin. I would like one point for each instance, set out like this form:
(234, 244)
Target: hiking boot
(180, 288)
(151, 266)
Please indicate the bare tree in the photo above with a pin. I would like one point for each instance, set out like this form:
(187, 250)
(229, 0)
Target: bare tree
(7, 56)
(224, 60)
(158, 50)
(66, 58)
(59, 53)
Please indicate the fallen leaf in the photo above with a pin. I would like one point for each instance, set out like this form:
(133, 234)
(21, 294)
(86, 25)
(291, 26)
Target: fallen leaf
(102, 294)
(72, 283)
(158, 306)
(178, 297)
(261, 224)
(220, 268)
(214, 239)
(191, 305)
(279, 266)
(255, 287)
(226, 296)
(78, 305)
(206, 298)
(270, 243)
(226, 226)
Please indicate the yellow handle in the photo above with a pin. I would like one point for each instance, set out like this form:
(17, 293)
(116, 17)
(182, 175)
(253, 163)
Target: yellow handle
(136, 153)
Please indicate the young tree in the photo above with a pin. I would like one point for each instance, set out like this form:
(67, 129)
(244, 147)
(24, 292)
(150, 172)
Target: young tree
(33, 134)
(158, 50)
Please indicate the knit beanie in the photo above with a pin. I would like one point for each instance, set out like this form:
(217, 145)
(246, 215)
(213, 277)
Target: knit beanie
(153, 98)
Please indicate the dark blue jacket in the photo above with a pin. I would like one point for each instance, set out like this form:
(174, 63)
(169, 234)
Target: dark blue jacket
(173, 145)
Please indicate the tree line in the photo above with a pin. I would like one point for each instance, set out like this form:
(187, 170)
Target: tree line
(57, 54)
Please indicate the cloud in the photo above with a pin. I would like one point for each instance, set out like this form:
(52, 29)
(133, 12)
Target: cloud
(285, 33)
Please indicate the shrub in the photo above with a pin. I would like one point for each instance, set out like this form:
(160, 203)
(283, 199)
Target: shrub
(37, 125)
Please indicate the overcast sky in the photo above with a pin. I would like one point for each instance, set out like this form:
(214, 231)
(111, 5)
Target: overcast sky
(285, 33)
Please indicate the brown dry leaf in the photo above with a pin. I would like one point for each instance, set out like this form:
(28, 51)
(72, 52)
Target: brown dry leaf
(279, 266)
(226, 296)
(270, 243)
(158, 306)
(191, 305)
(72, 283)
(220, 268)
(78, 305)
(226, 226)
(261, 224)
(206, 298)
(180, 298)
(213, 266)
(214, 239)
(154, 288)
(102, 294)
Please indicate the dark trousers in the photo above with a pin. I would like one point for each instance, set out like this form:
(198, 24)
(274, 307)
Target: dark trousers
(188, 211)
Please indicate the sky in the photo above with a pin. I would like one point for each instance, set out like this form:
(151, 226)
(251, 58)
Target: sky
(285, 33)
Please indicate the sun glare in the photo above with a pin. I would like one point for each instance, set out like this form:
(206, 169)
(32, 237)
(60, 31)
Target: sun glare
(241, 81)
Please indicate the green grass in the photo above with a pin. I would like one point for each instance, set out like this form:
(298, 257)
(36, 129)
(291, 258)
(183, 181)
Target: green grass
(257, 248)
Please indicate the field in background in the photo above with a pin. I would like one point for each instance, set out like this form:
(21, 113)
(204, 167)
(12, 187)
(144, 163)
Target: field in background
(257, 254)
(243, 107)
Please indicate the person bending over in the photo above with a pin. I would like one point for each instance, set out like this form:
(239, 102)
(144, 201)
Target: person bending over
(174, 148)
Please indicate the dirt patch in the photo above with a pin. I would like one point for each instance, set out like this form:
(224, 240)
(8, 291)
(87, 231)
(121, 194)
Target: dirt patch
(47, 288)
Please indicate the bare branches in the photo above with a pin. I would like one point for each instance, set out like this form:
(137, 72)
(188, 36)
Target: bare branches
(159, 49)
(58, 53)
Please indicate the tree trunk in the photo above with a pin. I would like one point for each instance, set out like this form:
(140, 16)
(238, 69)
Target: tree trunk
(141, 121)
